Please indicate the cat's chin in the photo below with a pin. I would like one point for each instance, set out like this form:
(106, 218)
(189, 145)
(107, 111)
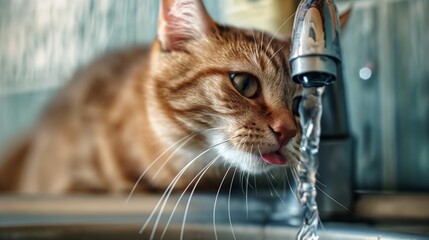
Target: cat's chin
(259, 167)
(252, 163)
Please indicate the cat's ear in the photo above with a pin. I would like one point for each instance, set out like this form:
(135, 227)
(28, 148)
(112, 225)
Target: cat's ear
(182, 20)
(344, 18)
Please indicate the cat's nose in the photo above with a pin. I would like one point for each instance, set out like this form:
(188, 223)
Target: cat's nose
(283, 130)
(284, 133)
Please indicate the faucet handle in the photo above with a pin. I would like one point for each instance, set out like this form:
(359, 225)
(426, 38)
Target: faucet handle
(315, 54)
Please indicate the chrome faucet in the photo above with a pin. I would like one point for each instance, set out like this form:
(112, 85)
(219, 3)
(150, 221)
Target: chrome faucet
(315, 55)
(315, 61)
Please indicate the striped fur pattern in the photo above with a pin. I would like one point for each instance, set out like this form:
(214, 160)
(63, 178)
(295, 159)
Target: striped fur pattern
(149, 115)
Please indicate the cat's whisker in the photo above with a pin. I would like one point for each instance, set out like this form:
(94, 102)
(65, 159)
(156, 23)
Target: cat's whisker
(176, 179)
(247, 186)
(229, 204)
(270, 187)
(275, 191)
(177, 149)
(320, 183)
(242, 183)
(199, 176)
(170, 188)
(247, 158)
(256, 45)
(284, 182)
(182, 231)
(294, 172)
(279, 28)
(170, 156)
(186, 139)
(251, 184)
(256, 186)
(163, 200)
(247, 191)
(259, 150)
(278, 50)
(335, 201)
(216, 198)
(271, 174)
(153, 163)
(290, 185)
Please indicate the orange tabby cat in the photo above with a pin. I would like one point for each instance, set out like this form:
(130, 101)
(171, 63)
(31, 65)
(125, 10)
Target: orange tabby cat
(204, 94)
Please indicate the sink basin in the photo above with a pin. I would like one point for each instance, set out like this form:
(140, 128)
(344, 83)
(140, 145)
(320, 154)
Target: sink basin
(101, 217)
(193, 231)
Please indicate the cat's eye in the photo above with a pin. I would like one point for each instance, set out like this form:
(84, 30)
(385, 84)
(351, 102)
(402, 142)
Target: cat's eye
(296, 101)
(245, 83)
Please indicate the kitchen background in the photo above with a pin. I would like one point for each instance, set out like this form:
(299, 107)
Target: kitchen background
(386, 73)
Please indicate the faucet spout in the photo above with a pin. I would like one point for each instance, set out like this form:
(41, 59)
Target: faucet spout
(315, 55)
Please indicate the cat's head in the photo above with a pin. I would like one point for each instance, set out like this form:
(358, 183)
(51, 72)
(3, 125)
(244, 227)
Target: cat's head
(230, 86)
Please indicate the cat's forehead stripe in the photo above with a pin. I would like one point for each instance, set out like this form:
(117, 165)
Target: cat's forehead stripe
(270, 47)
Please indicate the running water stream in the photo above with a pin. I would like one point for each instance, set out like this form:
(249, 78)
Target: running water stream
(310, 111)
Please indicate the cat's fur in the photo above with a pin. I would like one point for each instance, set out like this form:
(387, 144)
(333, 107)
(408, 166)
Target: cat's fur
(115, 117)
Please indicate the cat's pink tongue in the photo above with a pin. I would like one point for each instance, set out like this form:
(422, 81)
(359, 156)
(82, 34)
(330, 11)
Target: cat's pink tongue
(274, 158)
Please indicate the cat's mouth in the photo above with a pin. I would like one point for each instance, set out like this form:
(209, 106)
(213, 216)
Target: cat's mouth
(274, 158)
